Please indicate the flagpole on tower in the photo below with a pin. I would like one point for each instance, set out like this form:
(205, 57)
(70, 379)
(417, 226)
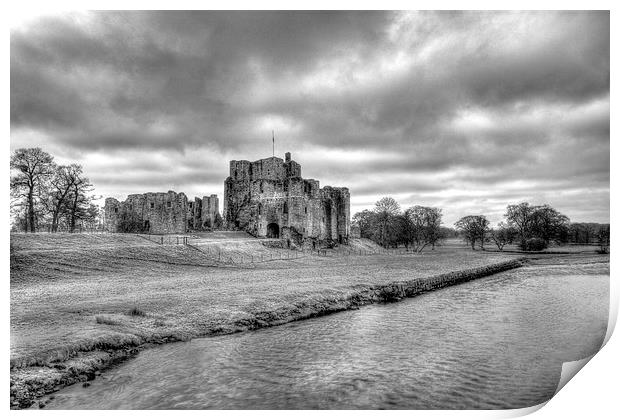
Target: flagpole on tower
(273, 144)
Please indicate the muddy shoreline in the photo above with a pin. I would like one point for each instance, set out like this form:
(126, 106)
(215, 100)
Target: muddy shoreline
(31, 385)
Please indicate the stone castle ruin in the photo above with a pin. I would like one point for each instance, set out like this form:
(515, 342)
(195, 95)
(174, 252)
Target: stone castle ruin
(269, 198)
(160, 213)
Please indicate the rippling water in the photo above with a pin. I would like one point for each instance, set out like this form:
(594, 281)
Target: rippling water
(497, 342)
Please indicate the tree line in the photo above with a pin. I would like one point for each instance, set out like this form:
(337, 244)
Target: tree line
(414, 228)
(46, 196)
(530, 227)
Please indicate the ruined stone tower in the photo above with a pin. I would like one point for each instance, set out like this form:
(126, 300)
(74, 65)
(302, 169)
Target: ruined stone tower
(269, 198)
(210, 207)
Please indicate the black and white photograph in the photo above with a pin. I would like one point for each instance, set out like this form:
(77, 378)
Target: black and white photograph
(306, 209)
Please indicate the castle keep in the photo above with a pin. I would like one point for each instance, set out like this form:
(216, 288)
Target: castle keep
(266, 198)
(269, 198)
(160, 213)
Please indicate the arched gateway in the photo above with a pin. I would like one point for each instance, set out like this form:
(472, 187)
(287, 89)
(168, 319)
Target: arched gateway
(273, 230)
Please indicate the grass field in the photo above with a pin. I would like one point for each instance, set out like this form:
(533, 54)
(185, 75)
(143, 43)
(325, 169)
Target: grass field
(71, 294)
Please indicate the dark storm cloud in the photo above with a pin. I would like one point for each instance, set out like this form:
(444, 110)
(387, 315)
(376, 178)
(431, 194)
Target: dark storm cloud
(416, 105)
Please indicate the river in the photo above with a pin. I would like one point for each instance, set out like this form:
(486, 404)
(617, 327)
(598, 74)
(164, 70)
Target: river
(496, 342)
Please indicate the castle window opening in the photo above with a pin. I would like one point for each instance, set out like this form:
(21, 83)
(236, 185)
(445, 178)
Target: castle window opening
(285, 208)
(131, 207)
(306, 209)
(115, 209)
(168, 204)
(152, 205)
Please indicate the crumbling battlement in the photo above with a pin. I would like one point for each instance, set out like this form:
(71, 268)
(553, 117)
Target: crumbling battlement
(269, 198)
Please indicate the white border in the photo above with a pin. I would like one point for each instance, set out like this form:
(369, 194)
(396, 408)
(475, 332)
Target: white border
(592, 395)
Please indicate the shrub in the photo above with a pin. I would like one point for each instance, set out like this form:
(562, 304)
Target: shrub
(135, 311)
(535, 244)
(106, 320)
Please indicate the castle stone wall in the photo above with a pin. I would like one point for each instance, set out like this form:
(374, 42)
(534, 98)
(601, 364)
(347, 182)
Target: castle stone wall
(158, 213)
(269, 198)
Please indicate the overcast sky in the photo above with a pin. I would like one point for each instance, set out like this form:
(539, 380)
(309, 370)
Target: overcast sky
(465, 111)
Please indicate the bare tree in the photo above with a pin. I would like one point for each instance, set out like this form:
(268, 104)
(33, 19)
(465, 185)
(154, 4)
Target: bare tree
(32, 169)
(519, 216)
(365, 219)
(432, 225)
(60, 188)
(386, 211)
(548, 223)
(502, 235)
(421, 227)
(91, 218)
(543, 222)
(79, 201)
(473, 229)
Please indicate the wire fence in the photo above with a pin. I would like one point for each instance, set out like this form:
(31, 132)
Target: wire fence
(221, 254)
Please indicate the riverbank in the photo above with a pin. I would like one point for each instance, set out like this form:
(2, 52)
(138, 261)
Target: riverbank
(69, 322)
